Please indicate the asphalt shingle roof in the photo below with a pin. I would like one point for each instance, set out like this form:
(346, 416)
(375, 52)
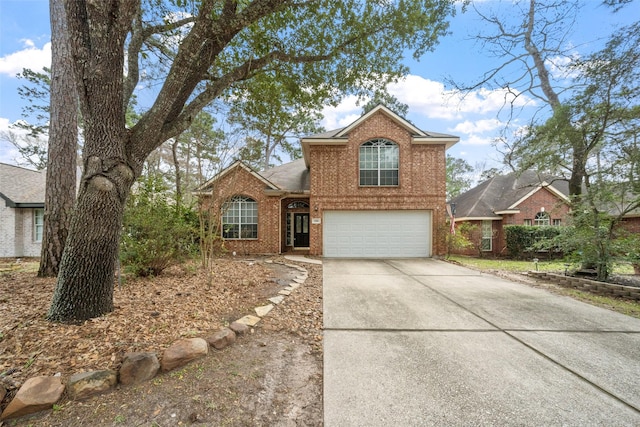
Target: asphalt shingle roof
(21, 186)
(501, 193)
(292, 176)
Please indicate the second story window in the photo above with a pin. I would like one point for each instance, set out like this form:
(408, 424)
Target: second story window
(379, 163)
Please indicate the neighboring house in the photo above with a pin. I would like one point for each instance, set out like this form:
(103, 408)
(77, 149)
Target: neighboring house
(525, 199)
(517, 199)
(21, 211)
(375, 188)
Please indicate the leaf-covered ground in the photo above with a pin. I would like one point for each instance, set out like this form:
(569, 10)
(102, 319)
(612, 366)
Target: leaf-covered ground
(245, 384)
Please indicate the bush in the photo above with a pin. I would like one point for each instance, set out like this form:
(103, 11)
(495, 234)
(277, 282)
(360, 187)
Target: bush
(156, 234)
(523, 240)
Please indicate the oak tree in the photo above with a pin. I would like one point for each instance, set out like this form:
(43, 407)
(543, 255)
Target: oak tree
(326, 47)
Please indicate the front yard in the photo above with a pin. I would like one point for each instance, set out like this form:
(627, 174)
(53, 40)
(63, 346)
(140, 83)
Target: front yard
(516, 270)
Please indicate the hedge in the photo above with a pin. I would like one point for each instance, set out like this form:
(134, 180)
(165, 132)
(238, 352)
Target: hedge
(523, 240)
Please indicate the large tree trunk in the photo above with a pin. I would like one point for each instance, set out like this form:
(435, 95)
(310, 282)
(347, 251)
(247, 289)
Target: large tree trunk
(86, 279)
(63, 138)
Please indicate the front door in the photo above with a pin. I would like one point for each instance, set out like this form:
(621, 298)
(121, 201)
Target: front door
(301, 230)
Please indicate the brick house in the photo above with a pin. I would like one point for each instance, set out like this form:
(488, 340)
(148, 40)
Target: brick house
(21, 211)
(375, 188)
(517, 199)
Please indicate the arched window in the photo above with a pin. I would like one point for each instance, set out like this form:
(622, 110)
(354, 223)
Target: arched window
(297, 204)
(240, 218)
(379, 163)
(542, 218)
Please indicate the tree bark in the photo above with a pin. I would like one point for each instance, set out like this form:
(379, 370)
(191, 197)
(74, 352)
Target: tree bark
(60, 193)
(85, 281)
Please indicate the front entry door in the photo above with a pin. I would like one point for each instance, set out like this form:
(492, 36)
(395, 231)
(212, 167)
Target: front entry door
(301, 230)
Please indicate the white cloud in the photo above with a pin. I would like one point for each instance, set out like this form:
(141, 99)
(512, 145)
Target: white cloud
(560, 67)
(341, 115)
(30, 57)
(478, 126)
(8, 153)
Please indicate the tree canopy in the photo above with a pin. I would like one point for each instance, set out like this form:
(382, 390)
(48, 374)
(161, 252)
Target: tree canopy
(197, 52)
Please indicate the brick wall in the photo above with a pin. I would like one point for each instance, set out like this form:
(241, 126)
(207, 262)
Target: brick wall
(335, 178)
(240, 182)
(542, 198)
(7, 230)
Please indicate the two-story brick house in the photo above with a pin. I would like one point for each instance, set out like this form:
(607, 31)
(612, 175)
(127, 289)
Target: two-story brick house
(375, 188)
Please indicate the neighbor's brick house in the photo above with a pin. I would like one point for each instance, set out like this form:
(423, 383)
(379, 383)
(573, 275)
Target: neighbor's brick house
(527, 198)
(21, 211)
(375, 188)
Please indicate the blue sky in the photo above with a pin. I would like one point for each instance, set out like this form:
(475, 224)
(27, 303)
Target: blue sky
(25, 43)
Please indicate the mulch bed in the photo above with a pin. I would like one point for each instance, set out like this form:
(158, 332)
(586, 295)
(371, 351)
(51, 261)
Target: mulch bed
(149, 314)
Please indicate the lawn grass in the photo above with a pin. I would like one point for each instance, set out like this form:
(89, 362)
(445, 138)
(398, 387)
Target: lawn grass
(555, 266)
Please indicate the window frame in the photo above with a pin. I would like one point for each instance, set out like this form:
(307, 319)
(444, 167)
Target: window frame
(239, 218)
(380, 165)
(487, 236)
(542, 219)
(38, 225)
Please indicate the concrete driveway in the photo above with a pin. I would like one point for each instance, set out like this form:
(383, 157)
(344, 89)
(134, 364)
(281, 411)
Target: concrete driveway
(421, 342)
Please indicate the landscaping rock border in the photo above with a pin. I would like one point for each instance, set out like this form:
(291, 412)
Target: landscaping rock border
(42, 393)
(587, 285)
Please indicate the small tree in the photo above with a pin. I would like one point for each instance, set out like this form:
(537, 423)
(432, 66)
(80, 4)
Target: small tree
(156, 234)
(461, 239)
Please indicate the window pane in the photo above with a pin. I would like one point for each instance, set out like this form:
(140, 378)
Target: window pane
(38, 224)
(379, 161)
(240, 218)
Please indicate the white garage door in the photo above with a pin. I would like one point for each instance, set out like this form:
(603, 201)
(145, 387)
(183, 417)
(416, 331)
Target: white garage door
(377, 234)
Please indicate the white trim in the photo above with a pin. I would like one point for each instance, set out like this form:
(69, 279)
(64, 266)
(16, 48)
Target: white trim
(479, 218)
(393, 116)
(542, 185)
(507, 212)
(238, 163)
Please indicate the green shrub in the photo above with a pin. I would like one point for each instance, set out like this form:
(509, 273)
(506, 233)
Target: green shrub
(156, 234)
(524, 240)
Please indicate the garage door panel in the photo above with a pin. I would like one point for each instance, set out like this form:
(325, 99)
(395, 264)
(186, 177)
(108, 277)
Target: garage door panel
(377, 234)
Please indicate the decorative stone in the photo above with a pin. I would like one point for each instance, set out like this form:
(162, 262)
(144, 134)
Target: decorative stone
(284, 292)
(182, 352)
(300, 281)
(35, 395)
(277, 300)
(302, 277)
(138, 367)
(293, 286)
(264, 310)
(238, 328)
(249, 320)
(221, 339)
(86, 384)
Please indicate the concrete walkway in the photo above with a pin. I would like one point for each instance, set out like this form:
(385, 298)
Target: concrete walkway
(422, 342)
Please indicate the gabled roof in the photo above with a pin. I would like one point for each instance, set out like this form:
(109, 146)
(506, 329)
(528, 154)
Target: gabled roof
(503, 194)
(206, 187)
(22, 188)
(292, 177)
(341, 136)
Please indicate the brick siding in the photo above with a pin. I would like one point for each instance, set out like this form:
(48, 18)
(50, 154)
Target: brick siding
(242, 183)
(335, 186)
(335, 178)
